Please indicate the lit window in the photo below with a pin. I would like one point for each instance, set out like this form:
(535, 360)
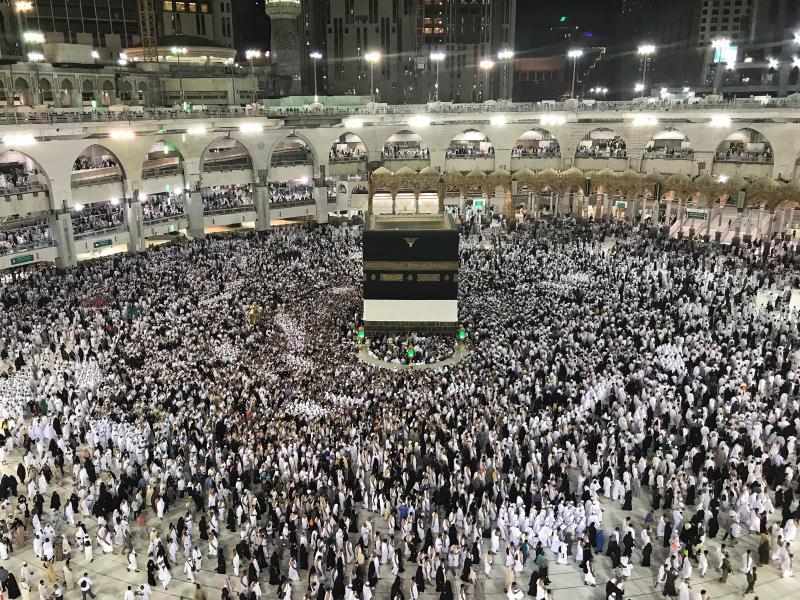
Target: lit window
(168, 5)
(180, 6)
(192, 7)
(204, 8)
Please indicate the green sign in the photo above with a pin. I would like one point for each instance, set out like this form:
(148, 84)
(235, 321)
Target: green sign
(103, 243)
(173, 227)
(410, 352)
(696, 214)
(21, 260)
(461, 333)
(361, 332)
(622, 204)
(478, 203)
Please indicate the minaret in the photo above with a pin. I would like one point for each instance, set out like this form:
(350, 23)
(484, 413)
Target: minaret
(285, 44)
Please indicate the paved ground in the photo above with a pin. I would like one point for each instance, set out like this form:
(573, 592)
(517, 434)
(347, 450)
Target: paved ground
(111, 577)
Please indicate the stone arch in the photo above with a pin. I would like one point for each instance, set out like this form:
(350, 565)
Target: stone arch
(404, 144)
(107, 91)
(96, 155)
(87, 90)
(536, 142)
(470, 142)
(669, 143)
(163, 156)
(126, 91)
(602, 142)
(744, 145)
(293, 148)
(232, 155)
(142, 91)
(23, 90)
(348, 147)
(26, 164)
(45, 90)
(66, 92)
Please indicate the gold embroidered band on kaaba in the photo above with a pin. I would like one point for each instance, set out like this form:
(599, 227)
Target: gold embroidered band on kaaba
(379, 265)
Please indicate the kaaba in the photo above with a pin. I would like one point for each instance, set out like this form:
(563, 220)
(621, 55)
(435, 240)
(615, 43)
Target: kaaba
(410, 274)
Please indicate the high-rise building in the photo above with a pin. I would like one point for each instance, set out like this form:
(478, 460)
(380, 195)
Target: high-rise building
(113, 24)
(286, 47)
(405, 33)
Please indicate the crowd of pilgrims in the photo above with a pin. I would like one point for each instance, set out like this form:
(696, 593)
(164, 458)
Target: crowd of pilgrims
(740, 151)
(343, 152)
(26, 233)
(17, 176)
(290, 192)
(227, 196)
(406, 152)
(96, 217)
(625, 409)
(426, 349)
(546, 151)
(469, 150)
(85, 163)
(158, 206)
(612, 148)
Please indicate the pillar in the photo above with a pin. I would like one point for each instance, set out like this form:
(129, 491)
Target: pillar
(321, 201)
(606, 208)
(416, 203)
(708, 223)
(261, 203)
(681, 217)
(133, 219)
(777, 226)
(394, 203)
(668, 216)
(508, 205)
(61, 228)
(194, 212)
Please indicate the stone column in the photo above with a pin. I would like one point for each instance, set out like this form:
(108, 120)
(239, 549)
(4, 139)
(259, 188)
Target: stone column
(321, 201)
(416, 203)
(61, 228)
(194, 212)
(681, 217)
(261, 203)
(134, 220)
(606, 208)
(708, 223)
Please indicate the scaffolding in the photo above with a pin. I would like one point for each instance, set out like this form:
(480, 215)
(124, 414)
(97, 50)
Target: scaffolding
(147, 28)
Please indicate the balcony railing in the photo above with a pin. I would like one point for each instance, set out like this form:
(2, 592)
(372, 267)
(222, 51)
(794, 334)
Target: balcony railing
(663, 155)
(745, 159)
(43, 243)
(161, 172)
(168, 114)
(227, 165)
(25, 189)
(228, 210)
(99, 232)
(292, 204)
(164, 219)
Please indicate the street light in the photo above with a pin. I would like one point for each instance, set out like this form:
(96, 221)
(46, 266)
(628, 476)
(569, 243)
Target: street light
(316, 55)
(178, 52)
(437, 57)
(795, 62)
(506, 56)
(574, 55)
(486, 65)
(773, 63)
(22, 9)
(645, 51)
(372, 57)
(35, 57)
(250, 55)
